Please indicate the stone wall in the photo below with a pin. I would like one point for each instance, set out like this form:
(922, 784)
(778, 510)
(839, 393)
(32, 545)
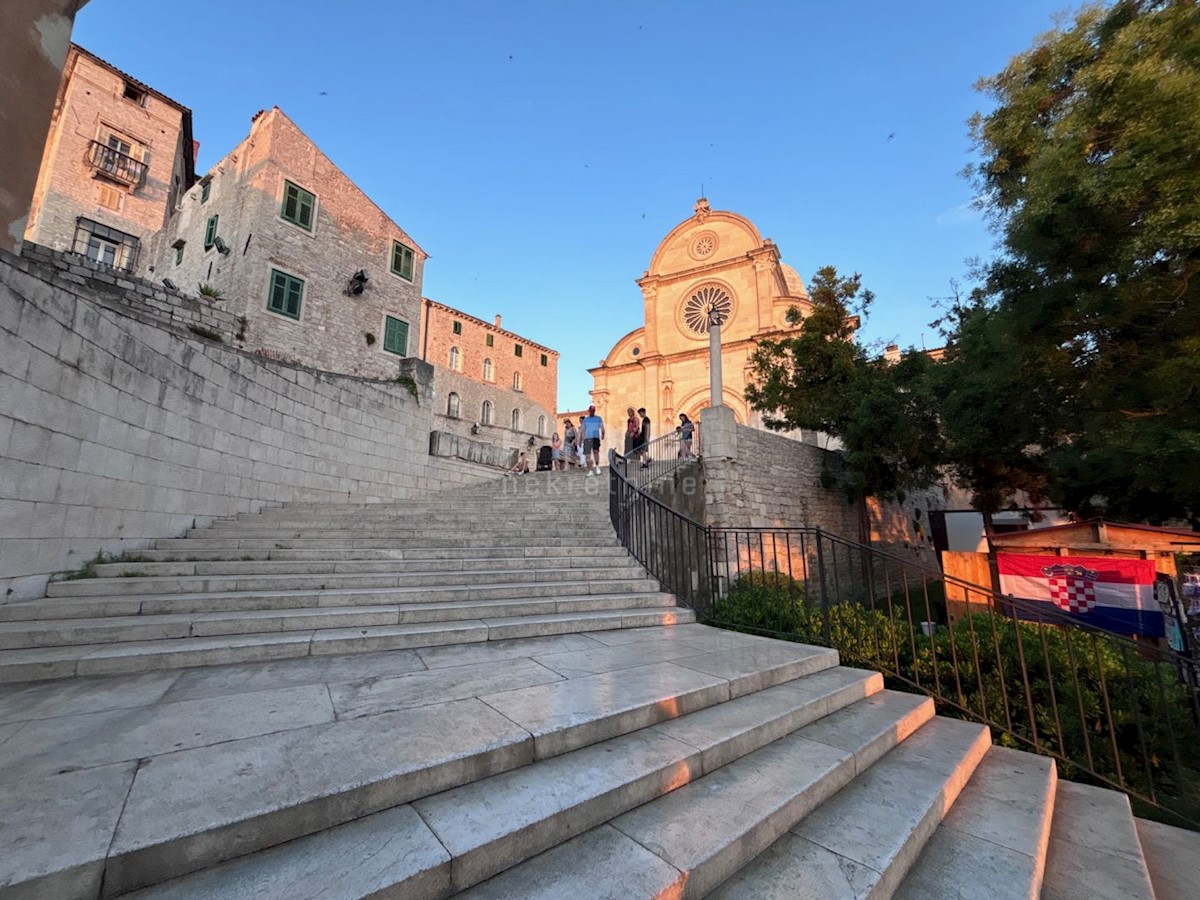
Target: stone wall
(116, 430)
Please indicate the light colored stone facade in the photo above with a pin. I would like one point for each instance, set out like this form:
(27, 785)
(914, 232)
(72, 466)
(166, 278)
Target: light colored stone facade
(118, 153)
(478, 372)
(116, 430)
(333, 328)
(35, 36)
(664, 365)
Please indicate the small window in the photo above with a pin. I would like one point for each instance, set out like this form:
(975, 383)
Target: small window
(402, 261)
(210, 232)
(298, 205)
(545, 360)
(287, 293)
(518, 350)
(179, 254)
(452, 405)
(516, 381)
(455, 359)
(458, 327)
(395, 336)
(205, 190)
(541, 426)
(134, 93)
(516, 420)
(491, 340)
(108, 197)
(485, 414)
(489, 374)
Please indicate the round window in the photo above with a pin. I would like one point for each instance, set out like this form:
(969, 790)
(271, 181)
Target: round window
(709, 302)
(636, 351)
(703, 245)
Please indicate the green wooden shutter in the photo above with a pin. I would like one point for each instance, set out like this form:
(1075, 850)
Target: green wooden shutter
(210, 231)
(395, 336)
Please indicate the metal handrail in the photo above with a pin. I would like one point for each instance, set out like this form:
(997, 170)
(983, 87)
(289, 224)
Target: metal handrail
(1117, 712)
(112, 161)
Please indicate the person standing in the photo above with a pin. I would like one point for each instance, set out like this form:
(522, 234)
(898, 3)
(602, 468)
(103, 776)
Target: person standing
(632, 429)
(569, 444)
(643, 440)
(556, 454)
(592, 427)
(686, 429)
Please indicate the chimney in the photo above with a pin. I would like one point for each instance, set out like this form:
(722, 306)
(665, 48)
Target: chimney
(497, 320)
(892, 353)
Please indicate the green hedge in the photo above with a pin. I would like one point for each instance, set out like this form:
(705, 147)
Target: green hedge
(1076, 679)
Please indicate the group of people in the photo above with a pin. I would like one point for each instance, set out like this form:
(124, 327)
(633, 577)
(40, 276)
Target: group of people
(581, 446)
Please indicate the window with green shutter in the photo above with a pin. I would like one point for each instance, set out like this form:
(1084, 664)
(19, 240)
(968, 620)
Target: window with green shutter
(458, 327)
(518, 350)
(545, 360)
(402, 260)
(395, 336)
(287, 292)
(491, 340)
(205, 190)
(298, 205)
(210, 232)
(179, 254)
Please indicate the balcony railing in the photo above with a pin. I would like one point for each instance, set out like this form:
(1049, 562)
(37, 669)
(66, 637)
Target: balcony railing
(115, 164)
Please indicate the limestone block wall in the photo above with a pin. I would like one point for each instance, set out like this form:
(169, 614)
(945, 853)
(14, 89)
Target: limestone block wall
(115, 431)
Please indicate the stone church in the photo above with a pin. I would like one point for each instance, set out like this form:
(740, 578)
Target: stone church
(714, 259)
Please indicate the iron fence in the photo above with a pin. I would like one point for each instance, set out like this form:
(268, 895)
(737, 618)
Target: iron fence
(1115, 711)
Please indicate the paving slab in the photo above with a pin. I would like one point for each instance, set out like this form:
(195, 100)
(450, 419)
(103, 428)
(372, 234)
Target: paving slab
(364, 858)
(638, 635)
(579, 711)
(753, 668)
(630, 871)
(338, 641)
(195, 808)
(470, 654)
(1172, 855)
(141, 656)
(597, 659)
(22, 702)
(1078, 866)
(55, 832)
(873, 726)
(385, 693)
(47, 746)
(8, 730)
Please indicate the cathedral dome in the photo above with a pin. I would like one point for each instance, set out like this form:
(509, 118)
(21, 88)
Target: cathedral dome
(795, 286)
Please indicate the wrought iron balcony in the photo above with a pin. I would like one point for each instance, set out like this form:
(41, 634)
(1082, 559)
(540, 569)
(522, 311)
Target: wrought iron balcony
(115, 164)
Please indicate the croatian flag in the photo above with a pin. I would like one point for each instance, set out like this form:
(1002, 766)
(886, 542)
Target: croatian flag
(1113, 594)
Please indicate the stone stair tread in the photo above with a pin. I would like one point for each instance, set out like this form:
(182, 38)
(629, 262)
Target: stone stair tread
(491, 824)
(139, 656)
(706, 829)
(992, 844)
(201, 806)
(1172, 855)
(319, 566)
(1094, 849)
(863, 840)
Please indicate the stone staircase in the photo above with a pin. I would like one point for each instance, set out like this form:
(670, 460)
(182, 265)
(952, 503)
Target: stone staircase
(593, 754)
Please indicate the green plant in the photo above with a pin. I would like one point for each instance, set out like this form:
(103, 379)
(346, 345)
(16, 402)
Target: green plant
(205, 332)
(207, 290)
(87, 570)
(407, 382)
(134, 573)
(370, 338)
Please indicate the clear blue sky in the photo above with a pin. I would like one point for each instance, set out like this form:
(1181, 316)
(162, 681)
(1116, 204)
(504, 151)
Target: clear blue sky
(540, 150)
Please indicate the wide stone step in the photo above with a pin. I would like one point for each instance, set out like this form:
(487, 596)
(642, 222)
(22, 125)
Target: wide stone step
(374, 543)
(453, 840)
(861, 842)
(1094, 848)
(496, 527)
(686, 842)
(111, 629)
(1171, 855)
(127, 657)
(348, 567)
(450, 554)
(993, 842)
(136, 583)
(203, 805)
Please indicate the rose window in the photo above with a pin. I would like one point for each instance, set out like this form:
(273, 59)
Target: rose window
(703, 305)
(704, 245)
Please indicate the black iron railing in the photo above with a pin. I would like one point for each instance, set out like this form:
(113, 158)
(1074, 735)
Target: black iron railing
(662, 456)
(114, 163)
(1114, 711)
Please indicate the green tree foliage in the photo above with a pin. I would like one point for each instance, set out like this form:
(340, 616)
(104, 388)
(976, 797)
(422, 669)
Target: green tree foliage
(821, 379)
(1090, 170)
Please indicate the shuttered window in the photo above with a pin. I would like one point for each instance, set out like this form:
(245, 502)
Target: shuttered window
(402, 260)
(287, 293)
(210, 232)
(298, 205)
(395, 336)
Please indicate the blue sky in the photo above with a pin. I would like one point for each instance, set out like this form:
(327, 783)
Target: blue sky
(540, 150)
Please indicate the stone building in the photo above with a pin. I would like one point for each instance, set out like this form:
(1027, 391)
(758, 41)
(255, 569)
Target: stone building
(491, 382)
(118, 157)
(321, 274)
(714, 259)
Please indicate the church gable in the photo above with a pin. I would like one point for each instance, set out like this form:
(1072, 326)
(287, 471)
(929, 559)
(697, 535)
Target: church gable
(708, 238)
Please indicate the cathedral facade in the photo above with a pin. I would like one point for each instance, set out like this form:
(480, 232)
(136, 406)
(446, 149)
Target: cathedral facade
(714, 260)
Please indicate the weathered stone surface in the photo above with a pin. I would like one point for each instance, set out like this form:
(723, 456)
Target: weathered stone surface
(84, 695)
(390, 853)
(795, 869)
(82, 741)
(1171, 855)
(197, 807)
(602, 864)
(890, 716)
(470, 654)
(751, 669)
(382, 694)
(55, 832)
(579, 711)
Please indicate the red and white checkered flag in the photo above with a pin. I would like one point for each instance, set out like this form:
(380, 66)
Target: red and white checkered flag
(1073, 594)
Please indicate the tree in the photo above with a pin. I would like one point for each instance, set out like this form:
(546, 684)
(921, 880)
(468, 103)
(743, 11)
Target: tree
(1090, 171)
(822, 379)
